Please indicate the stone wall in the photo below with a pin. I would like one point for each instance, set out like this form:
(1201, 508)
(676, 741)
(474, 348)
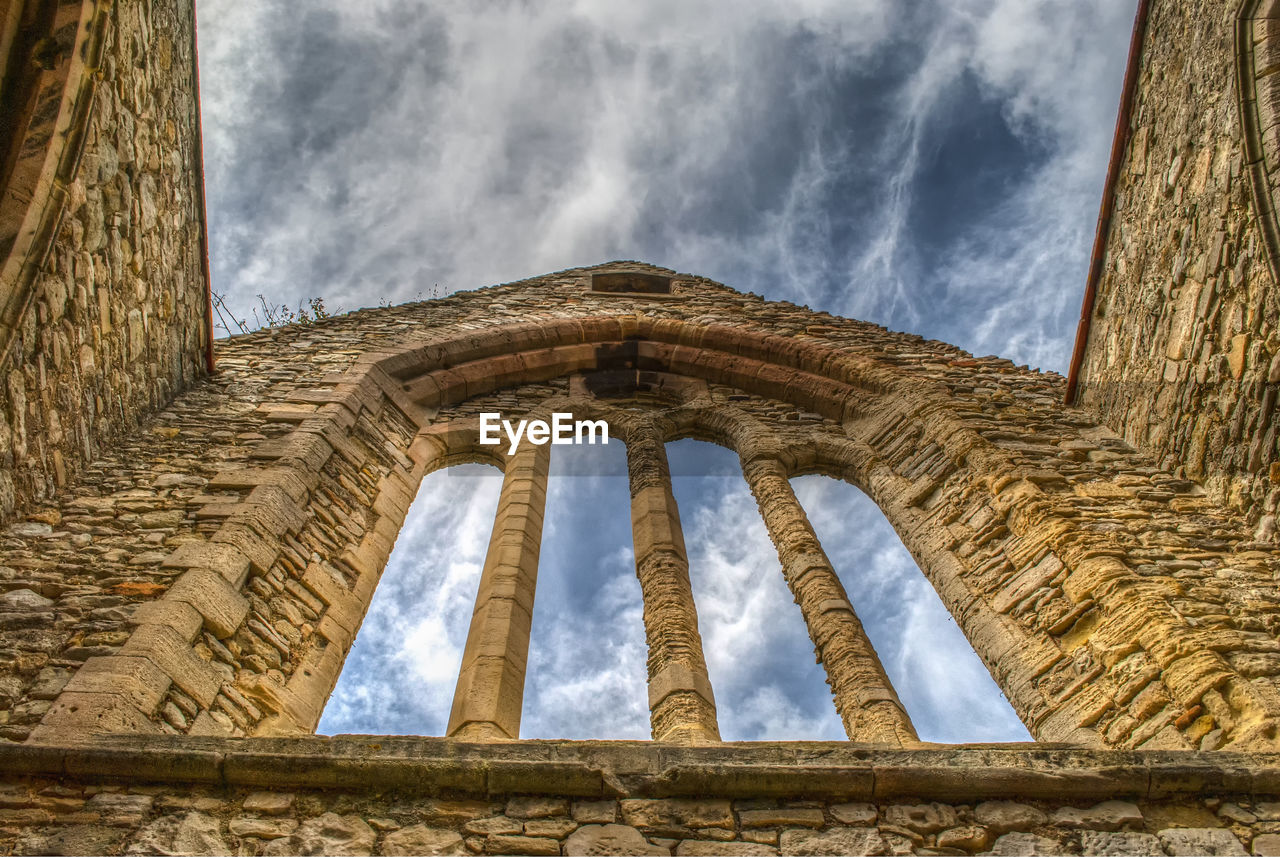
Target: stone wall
(365, 795)
(209, 573)
(1183, 358)
(197, 554)
(113, 317)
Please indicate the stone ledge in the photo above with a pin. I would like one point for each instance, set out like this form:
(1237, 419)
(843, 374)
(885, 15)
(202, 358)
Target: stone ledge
(642, 769)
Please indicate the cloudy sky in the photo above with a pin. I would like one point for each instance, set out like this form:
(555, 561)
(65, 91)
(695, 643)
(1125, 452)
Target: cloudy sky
(931, 165)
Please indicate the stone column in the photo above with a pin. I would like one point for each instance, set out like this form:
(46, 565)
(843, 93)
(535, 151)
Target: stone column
(865, 699)
(682, 708)
(490, 692)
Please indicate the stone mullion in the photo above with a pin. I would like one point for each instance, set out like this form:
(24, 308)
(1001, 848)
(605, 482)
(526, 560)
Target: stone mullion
(865, 699)
(681, 703)
(490, 694)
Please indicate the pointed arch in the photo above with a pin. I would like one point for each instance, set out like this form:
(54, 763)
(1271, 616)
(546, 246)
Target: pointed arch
(984, 508)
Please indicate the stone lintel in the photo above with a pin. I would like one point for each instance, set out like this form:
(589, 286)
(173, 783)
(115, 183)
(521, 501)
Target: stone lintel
(814, 770)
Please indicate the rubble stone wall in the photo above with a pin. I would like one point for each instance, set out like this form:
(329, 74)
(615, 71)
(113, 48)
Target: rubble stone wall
(1183, 357)
(193, 556)
(392, 796)
(103, 294)
(208, 576)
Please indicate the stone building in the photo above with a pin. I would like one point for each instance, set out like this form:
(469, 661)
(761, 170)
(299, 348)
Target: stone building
(188, 554)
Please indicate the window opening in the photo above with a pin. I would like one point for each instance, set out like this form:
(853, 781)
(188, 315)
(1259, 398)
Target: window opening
(586, 677)
(627, 282)
(399, 677)
(759, 656)
(941, 681)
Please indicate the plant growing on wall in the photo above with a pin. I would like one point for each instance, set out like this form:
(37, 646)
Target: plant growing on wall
(273, 315)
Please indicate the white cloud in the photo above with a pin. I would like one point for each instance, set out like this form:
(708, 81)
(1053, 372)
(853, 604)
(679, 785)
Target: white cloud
(367, 151)
(586, 675)
(401, 671)
(944, 686)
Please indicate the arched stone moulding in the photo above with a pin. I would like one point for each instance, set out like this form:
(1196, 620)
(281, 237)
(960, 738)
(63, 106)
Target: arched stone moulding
(1258, 93)
(51, 100)
(1089, 644)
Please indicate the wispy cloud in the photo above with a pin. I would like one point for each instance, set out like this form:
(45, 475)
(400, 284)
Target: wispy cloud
(587, 653)
(933, 166)
(369, 151)
(944, 686)
(400, 674)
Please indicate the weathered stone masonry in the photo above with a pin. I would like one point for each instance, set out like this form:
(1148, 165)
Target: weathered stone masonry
(103, 304)
(1183, 356)
(195, 555)
(420, 796)
(1114, 605)
(208, 577)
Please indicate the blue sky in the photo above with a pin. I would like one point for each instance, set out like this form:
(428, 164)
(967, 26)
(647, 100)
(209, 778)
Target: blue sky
(934, 166)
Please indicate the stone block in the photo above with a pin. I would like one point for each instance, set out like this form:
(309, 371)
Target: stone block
(556, 828)
(179, 615)
(260, 550)
(1025, 845)
(166, 648)
(117, 808)
(262, 828)
(221, 604)
(921, 818)
(522, 845)
(268, 511)
(677, 814)
(854, 813)
(783, 817)
(138, 680)
(73, 715)
(655, 525)
(969, 838)
(840, 840)
(421, 839)
(268, 803)
(610, 839)
(497, 825)
(537, 807)
(676, 677)
(1266, 845)
(705, 848)
(1095, 843)
(247, 478)
(1107, 816)
(223, 558)
(595, 811)
(1001, 816)
(1208, 841)
(1236, 355)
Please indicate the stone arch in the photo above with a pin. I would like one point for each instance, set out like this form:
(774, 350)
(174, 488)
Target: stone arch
(1071, 632)
(1257, 47)
(53, 49)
